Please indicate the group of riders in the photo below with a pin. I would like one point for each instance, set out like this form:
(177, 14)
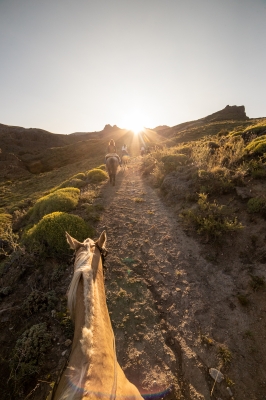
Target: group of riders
(112, 151)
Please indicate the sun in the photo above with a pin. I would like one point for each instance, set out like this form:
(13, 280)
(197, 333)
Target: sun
(136, 128)
(134, 121)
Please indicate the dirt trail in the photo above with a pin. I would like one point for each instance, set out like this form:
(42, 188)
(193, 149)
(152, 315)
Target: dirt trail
(142, 233)
(175, 315)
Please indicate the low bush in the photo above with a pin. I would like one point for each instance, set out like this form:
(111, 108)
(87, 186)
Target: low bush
(73, 182)
(257, 146)
(29, 351)
(172, 161)
(97, 175)
(48, 235)
(61, 200)
(102, 167)
(257, 168)
(148, 164)
(215, 181)
(211, 219)
(257, 205)
(39, 302)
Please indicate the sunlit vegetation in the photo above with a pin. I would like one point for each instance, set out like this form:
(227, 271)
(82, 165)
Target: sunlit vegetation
(211, 219)
(48, 235)
(223, 155)
(97, 175)
(61, 200)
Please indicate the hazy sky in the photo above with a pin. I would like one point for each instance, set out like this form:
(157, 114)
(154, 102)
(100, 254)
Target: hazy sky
(76, 65)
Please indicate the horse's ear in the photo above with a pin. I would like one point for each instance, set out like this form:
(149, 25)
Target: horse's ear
(102, 239)
(73, 243)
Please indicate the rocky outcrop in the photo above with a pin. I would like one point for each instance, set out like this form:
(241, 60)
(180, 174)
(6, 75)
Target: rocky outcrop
(236, 113)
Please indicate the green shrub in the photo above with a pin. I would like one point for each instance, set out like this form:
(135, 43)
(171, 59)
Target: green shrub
(148, 164)
(211, 219)
(48, 235)
(80, 175)
(257, 205)
(76, 181)
(172, 161)
(257, 168)
(72, 182)
(257, 146)
(257, 128)
(39, 302)
(61, 200)
(215, 181)
(102, 167)
(29, 351)
(97, 175)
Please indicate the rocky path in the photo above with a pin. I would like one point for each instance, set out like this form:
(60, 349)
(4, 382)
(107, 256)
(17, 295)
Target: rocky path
(144, 239)
(170, 308)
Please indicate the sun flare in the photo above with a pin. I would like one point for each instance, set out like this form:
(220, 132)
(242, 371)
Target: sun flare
(136, 128)
(134, 121)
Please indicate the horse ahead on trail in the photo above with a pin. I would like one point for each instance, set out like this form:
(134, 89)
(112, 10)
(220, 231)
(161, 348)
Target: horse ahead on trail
(93, 371)
(112, 163)
(125, 160)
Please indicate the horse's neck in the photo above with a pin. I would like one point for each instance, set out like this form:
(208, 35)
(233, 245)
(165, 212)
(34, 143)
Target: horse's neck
(93, 332)
(103, 336)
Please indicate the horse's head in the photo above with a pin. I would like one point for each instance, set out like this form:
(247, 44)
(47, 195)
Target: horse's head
(83, 250)
(85, 264)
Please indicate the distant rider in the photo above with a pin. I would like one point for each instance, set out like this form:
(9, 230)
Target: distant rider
(124, 150)
(111, 151)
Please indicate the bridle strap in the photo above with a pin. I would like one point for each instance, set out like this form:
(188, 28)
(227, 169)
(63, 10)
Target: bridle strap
(103, 252)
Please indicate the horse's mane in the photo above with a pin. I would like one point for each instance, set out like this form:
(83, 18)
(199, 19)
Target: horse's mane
(83, 269)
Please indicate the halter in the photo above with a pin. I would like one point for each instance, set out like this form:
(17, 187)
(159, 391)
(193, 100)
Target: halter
(103, 253)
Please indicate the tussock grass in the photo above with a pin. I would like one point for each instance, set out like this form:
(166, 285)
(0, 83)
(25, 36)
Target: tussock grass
(225, 355)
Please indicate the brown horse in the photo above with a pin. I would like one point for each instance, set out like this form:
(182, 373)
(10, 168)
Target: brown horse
(93, 371)
(111, 166)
